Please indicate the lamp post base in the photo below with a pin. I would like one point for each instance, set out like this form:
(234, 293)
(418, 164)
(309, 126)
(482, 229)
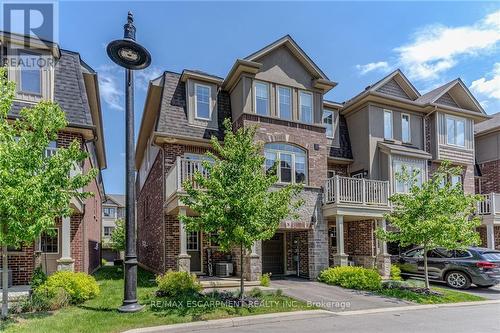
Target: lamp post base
(131, 307)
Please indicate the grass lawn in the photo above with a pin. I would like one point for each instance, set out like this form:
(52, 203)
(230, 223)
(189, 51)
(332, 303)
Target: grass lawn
(101, 315)
(449, 296)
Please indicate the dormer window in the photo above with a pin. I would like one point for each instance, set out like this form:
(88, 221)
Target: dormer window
(262, 98)
(203, 101)
(329, 121)
(306, 107)
(30, 73)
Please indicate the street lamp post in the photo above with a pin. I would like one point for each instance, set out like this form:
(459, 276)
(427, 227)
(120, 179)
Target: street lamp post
(132, 56)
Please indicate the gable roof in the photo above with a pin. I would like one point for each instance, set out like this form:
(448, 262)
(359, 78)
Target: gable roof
(118, 199)
(402, 82)
(469, 102)
(288, 41)
(488, 126)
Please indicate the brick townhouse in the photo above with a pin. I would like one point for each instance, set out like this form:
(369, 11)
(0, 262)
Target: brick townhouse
(487, 139)
(70, 82)
(113, 209)
(345, 154)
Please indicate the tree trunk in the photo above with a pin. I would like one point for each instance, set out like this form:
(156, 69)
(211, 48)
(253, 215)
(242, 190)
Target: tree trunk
(426, 271)
(242, 283)
(5, 282)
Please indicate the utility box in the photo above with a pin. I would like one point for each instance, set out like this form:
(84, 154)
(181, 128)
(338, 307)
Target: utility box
(224, 269)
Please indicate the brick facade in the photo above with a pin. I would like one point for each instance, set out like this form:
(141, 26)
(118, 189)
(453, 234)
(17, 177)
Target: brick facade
(482, 235)
(490, 176)
(293, 241)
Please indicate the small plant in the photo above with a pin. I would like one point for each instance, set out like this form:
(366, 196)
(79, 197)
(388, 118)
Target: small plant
(279, 293)
(79, 286)
(103, 262)
(38, 278)
(265, 280)
(351, 277)
(177, 284)
(395, 273)
(256, 292)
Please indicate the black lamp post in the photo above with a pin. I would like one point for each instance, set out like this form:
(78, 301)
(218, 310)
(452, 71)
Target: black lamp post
(132, 56)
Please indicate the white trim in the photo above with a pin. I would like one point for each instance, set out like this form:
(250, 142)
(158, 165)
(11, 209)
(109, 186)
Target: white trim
(58, 242)
(196, 85)
(392, 124)
(255, 83)
(312, 106)
(278, 152)
(409, 127)
(279, 102)
(333, 125)
(455, 118)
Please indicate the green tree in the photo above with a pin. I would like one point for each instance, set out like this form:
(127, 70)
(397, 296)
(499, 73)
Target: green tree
(238, 201)
(118, 236)
(35, 189)
(435, 214)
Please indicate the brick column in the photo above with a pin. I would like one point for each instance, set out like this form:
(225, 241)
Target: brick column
(340, 258)
(383, 258)
(66, 263)
(184, 259)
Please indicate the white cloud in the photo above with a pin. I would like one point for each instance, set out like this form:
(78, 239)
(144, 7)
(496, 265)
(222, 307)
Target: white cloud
(143, 77)
(488, 87)
(111, 92)
(437, 48)
(372, 66)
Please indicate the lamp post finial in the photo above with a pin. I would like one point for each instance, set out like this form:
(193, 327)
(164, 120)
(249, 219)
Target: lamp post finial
(129, 28)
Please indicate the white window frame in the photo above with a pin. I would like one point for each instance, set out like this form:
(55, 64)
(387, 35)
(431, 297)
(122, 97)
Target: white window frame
(411, 165)
(301, 92)
(292, 154)
(20, 89)
(455, 120)
(334, 120)
(256, 83)
(392, 125)
(403, 115)
(104, 230)
(196, 85)
(58, 242)
(279, 101)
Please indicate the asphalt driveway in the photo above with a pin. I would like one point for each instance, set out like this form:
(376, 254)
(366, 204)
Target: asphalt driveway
(334, 298)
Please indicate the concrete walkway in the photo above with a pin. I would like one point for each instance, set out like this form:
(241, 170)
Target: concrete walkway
(333, 298)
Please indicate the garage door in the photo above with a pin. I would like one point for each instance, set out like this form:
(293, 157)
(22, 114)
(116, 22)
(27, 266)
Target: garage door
(272, 255)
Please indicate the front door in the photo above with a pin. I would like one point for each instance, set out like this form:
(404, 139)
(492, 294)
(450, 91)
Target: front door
(194, 250)
(272, 255)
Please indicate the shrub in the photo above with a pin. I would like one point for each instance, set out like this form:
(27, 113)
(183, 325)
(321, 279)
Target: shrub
(395, 273)
(41, 300)
(351, 277)
(265, 280)
(255, 292)
(175, 284)
(103, 262)
(79, 286)
(38, 278)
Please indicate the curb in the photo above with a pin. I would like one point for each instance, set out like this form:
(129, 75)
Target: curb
(235, 322)
(415, 307)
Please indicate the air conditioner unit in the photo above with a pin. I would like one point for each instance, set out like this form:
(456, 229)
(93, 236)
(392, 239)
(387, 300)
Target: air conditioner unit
(223, 269)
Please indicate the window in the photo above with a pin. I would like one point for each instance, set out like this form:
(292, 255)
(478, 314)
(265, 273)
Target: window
(31, 73)
(285, 103)
(306, 107)
(456, 179)
(330, 173)
(329, 122)
(410, 167)
(262, 98)
(292, 166)
(405, 128)
(108, 231)
(108, 212)
(202, 105)
(417, 253)
(388, 124)
(455, 131)
(192, 241)
(51, 149)
(49, 241)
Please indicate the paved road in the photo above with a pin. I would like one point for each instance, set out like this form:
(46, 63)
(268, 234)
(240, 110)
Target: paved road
(333, 298)
(489, 293)
(466, 319)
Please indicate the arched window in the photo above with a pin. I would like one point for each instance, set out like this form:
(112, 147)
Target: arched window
(292, 167)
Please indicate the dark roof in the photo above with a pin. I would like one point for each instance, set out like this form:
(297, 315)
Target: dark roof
(488, 125)
(433, 94)
(69, 90)
(119, 199)
(173, 118)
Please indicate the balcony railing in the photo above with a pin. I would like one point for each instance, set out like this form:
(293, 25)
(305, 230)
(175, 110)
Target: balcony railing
(490, 204)
(358, 191)
(184, 169)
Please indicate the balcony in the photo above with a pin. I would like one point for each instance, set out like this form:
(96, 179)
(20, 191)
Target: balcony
(489, 208)
(356, 197)
(183, 169)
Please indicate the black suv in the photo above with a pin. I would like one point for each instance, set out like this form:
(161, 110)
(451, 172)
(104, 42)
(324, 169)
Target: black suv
(458, 268)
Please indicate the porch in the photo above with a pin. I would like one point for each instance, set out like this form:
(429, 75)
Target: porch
(489, 210)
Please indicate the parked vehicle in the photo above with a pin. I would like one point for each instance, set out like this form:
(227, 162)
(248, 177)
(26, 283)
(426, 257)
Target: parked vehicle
(457, 268)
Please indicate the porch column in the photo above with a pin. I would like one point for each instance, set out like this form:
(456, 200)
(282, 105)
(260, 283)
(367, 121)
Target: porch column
(253, 263)
(383, 258)
(65, 263)
(184, 259)
(340, 258)
(490, 236)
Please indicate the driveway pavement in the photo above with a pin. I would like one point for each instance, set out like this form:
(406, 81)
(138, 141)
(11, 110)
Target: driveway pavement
(333, 298)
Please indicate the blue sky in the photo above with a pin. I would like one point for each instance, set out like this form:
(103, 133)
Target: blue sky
(354, 43)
